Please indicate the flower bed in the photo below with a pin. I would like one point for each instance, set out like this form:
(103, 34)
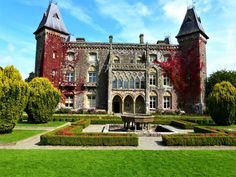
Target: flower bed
(203, 139)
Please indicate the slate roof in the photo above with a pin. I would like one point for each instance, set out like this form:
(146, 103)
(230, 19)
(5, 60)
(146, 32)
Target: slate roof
(191, 24)
(52, 19)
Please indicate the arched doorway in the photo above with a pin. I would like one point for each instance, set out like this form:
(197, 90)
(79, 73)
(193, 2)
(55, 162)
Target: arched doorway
(117, 104)
(128, 104)
(139, 105)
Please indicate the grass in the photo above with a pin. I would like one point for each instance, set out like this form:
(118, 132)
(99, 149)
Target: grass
(17, 135)
(222, 127)
(48, 124)
(107, 163)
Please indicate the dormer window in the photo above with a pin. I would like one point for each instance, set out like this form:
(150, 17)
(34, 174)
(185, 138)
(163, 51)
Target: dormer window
(70, 56)
(153, 57)
(116, 60)
(92, 57)
(56, 16)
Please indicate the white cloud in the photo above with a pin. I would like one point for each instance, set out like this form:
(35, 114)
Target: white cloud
(11, 47)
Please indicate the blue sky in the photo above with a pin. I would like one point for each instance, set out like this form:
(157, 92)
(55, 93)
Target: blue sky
(95, 20)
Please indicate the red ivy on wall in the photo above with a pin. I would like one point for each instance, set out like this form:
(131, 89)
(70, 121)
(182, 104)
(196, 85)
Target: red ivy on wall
(184, 72)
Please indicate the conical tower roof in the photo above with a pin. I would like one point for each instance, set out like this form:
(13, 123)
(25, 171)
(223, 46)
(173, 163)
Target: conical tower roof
(52, 19)
(191, 24)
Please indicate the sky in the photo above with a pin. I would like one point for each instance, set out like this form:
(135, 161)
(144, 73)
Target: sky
(95, 20)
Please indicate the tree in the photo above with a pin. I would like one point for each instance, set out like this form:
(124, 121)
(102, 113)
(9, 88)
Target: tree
(13, 98)
(218, 77)
(31, 76)
(43, 100)
(222, 103)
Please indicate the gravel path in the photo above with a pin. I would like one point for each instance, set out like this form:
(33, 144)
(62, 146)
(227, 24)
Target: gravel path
(145, 143)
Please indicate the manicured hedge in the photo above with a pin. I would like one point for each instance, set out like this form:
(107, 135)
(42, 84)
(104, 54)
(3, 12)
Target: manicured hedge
(208, 139)
(162, 121)
(106, 121)
(83, 123)
(199, 129)
(183, 124)
(201, 121)
(91, 139)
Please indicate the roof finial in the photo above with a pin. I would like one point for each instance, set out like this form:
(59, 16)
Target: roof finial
(53, 1)
(191, 4)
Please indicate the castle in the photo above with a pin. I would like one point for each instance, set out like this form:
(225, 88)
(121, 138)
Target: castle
(116, 77)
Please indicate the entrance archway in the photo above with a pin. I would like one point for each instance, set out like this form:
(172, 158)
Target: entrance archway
(139, 105)
(128, 104)
(117, 104)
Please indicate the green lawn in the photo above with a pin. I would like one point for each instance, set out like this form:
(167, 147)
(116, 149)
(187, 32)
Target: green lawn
(221, 127)
(49, 124)
(108, 163)
(17, 135)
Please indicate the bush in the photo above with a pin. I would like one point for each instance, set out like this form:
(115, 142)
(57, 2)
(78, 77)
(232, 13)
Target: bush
(106, 121)
(207, 139)
(83, 123)
(14, 94)
(183, 124)
(63, 111)
(42, 101)
(218, 77)
(222, 103)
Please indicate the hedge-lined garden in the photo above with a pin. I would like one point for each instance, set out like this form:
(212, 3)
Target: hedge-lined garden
(73, 136)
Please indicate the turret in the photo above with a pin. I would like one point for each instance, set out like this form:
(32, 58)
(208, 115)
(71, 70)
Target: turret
(192, 41)
(49, 35)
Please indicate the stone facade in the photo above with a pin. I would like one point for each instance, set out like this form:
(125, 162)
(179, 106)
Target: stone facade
(116, 77)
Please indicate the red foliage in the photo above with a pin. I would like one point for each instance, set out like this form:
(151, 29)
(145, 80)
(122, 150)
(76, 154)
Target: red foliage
(66, 132)
(184, 72)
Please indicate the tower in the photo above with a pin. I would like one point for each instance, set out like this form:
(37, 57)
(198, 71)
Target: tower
(49, 35)
(192, 41)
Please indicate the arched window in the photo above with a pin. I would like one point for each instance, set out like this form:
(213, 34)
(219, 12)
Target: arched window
(142, 83)
(153, 57)
(116, 59)
(139, 60)
(137, 83)
(120, 83)
(126, 81)
(114, 83)
(70, 56)
(131, 83)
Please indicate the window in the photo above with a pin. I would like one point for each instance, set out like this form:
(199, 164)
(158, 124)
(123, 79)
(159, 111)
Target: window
(143, 83)
(126, 83)
(54, 54)
(139, 60)
(93, 57)
(131, 83)
(165, 58)
(114, 83)
(166, 80)
(53, 73)
(167, 102)
(56, 16)
(116, 60)
(70, 77)
(92, 101)
(153, 57)
(120, 83)
(137, 83)
(69, 103)
(92, 77)
(152, 79)
(70, 56)
(152, 102)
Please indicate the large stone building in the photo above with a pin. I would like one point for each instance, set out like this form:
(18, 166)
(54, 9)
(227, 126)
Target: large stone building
(116, 77)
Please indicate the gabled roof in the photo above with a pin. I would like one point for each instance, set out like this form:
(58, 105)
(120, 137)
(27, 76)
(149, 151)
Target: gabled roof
(52, 19)
(191, 24)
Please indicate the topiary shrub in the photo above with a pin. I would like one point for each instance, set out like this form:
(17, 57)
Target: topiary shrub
(13, 98)
(222, 103)
(43, 100)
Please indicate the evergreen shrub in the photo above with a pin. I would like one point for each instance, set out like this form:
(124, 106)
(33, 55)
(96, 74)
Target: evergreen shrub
(13, 98)
(43, 100)
(222, 103)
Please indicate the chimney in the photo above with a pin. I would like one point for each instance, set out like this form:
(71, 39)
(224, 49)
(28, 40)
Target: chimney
(141, 39)
(110, 39)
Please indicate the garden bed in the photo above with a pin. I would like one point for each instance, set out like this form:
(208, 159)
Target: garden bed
(73, 136)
